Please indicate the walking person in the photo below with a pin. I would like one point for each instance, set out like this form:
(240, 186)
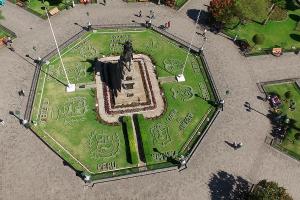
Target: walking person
(239, 145)
(8, 43)
(2, 122)
(151, 14)
(140, 13)
(235, 145)
(104, 2)
(204, 33)
(169, 24)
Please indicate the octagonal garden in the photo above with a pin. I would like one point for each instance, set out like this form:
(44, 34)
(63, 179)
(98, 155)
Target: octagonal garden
(72, 127)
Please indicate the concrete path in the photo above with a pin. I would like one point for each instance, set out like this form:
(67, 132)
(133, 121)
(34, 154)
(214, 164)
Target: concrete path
(30, 170)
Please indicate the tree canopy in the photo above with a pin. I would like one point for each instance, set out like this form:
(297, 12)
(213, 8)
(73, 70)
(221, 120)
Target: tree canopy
(269, 190)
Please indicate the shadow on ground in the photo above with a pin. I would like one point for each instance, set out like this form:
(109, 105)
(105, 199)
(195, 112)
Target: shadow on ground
(295, 37)
(203, 19)
(294, 17)
(223, 185)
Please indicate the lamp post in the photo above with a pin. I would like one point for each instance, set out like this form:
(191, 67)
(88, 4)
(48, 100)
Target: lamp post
(89, 21)
(221, 104)
(204, 40)
(182, 162)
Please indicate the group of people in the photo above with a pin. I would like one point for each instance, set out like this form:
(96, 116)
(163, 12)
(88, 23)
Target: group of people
(152, 16)
(21, 93)
(8, 42)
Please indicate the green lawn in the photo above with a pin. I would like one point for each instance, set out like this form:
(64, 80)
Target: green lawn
(36, 6)
(276, 33)
(3, 34)
(180, 3)
(68, 120)
(173, 134)
(289, 144)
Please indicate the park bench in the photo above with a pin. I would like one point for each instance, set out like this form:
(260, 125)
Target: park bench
(53, 11)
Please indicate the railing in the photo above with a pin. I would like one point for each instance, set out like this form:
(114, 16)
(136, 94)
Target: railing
(115, 26)
(175, 38)
(132, 172)
(286, 151)
(32, 91)
(11, 33)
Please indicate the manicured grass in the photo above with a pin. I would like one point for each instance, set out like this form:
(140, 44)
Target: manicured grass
(289, 144)
(37, 5)
(3, 34)
(172, 137)
(71, 119)
(281, 33)
(180, 3)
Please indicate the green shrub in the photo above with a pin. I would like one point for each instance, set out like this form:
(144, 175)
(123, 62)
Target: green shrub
(46, 4)
(61, 6)
(288, 94)
(232, 23)
(258, 38)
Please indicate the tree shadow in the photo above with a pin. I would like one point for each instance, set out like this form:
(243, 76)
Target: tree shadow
(223, 185)
(295, 37)
(294, 17)
(290, 5)
(204, 18)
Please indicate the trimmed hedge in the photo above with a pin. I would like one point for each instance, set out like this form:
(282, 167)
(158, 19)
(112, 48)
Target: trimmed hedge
(131, 139)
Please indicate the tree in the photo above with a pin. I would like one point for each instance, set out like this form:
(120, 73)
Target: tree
(46, 4)
(222, 10)
(269, 190)
(279, 3)
(255, 10)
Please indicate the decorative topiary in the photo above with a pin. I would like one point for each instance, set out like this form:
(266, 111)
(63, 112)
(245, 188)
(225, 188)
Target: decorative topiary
(288, 94)
(258, 38)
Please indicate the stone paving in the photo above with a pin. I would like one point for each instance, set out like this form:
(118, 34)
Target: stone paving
(30, 170)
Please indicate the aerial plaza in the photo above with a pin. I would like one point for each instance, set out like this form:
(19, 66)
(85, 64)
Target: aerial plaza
(168, 100)
(127, 112)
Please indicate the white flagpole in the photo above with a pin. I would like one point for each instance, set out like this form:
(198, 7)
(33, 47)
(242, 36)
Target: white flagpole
(61, 61)
(191, 43)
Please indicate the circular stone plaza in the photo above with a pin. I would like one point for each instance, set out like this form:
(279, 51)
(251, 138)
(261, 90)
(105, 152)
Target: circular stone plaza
(139, 100)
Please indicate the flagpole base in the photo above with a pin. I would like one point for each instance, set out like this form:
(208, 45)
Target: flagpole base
(180, 78)
(70, 88)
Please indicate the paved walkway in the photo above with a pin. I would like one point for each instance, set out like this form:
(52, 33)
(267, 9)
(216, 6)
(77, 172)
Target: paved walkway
(30, 170)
